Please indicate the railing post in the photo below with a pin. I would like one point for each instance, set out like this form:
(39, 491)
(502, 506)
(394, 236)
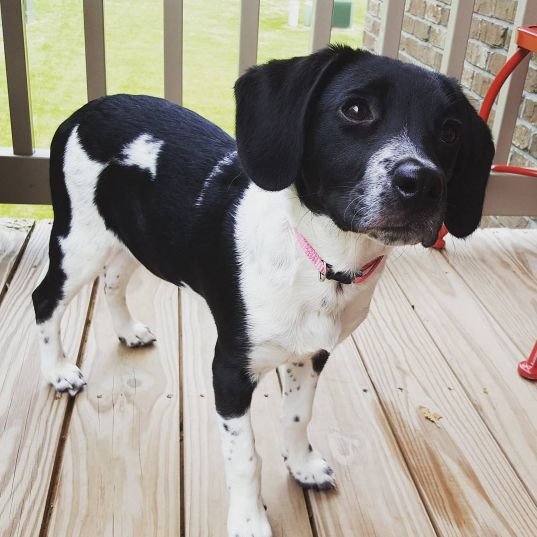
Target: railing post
(248, 34)
(322, 24)
(456, 43)
(391, 25)
(173, 50)
(94, 48)
(509, 99)
(18, 83)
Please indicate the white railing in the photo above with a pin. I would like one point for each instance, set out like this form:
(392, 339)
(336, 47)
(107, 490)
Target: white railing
(24, 169)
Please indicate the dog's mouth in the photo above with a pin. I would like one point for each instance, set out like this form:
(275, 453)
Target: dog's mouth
(424, 232)
(394, 237)
(391, 225)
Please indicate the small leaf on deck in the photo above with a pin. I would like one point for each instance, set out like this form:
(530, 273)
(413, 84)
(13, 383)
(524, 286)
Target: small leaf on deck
(433, 417)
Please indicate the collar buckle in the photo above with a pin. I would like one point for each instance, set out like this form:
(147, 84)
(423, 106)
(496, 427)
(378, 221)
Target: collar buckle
(326, 271)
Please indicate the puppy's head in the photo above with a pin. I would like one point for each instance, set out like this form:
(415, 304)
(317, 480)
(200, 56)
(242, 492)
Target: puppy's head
(381, 147)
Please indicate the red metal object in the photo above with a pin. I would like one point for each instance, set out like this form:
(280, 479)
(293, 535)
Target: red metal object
(527, 42)
(531, 172)
(526, 39)
(440, 243)
(499, 81)
(528, 368)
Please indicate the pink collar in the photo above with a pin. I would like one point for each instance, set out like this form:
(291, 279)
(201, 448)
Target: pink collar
(325, 269)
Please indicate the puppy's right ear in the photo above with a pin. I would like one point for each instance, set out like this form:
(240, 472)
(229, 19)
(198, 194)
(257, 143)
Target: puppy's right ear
(466, 189)
(273, 101)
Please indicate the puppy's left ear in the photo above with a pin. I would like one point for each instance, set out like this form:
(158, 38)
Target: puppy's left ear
(466, 190)
(273, 101)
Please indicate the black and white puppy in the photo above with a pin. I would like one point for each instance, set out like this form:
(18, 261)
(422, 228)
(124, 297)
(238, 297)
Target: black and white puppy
(340, 156)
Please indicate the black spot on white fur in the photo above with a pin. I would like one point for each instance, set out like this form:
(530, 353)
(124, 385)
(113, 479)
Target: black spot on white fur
(319, 361)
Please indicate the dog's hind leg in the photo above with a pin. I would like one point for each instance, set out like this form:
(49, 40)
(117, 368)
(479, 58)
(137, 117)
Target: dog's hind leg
(299, 382)
(116, 277)
(71, 266)
(79, 246)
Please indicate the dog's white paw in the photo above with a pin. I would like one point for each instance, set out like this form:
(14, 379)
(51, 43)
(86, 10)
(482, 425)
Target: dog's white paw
(66, 377)
(248, 520)
(136, 335)
(311, 471)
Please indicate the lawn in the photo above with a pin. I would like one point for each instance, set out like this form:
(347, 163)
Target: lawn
(134, 36)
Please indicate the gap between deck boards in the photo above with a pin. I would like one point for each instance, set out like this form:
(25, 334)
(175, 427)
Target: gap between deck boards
(60, 449)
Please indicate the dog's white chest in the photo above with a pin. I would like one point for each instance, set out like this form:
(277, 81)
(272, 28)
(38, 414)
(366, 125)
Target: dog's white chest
(305, 316)
(290, 312)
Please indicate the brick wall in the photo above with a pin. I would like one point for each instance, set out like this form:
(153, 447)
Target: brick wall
(422, 42)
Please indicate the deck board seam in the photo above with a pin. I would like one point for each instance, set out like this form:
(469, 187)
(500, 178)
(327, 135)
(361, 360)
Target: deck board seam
(466, 392)
(180, 358)
(66, 422)
(386, 415)
(311, 516)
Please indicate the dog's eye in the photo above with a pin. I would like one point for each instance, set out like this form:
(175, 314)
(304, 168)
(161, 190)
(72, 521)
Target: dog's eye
(450, 131)
(357, 111)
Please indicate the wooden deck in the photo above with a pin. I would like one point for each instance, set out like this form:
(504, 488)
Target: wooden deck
(421, 413)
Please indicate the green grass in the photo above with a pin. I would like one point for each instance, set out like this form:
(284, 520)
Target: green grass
(134, 56)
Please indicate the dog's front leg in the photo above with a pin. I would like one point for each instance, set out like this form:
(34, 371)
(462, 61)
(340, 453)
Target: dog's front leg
(233, 390)
(299, 381)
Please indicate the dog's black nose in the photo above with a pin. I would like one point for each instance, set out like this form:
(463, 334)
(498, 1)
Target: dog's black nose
(416, 183)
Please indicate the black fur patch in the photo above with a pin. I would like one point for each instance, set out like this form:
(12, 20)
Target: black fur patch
(319, 361)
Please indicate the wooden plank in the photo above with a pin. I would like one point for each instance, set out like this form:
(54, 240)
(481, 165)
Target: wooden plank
(510, 195)
(483, 359)
(94, 48)
(120, 474)
(457, 34)
(511, 93)
(467, 483)
(173, 50)
(376, 495)
(13, 234)
(205, 493)
(390, 27)
(24, 179)
(249, 34)
(322, 24)
(500, 267)
(31, 415)
(18, 82)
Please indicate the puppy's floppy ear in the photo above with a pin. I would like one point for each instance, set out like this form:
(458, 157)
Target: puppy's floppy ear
(466, 190)
(273, 101)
